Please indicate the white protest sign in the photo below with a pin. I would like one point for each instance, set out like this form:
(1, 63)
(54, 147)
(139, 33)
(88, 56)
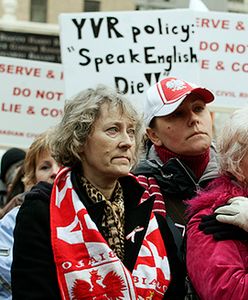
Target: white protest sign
(132, 50)
(126, 50)
(31, 99)
(223, 57)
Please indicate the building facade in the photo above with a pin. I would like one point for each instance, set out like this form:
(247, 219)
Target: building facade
(47, 11)
(239, 6)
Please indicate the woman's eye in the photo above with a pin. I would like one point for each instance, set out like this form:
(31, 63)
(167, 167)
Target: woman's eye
(131, 132)
(177, 114)
(45, 167)
(199, 108)
(112, 129)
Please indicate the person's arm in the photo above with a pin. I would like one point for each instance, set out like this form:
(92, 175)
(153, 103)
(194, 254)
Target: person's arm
(218, 270)
(235, 213)
(7, 224)
(33, 270)
(229, 221)
(15, 201)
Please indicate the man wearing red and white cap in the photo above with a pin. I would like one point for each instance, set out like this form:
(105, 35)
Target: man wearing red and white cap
(180, 155)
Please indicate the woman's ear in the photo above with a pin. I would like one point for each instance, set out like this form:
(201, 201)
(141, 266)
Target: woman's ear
(151, 133)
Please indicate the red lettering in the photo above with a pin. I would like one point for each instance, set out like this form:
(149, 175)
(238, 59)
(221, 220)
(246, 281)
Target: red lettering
(212, 23)
(20, 70)
(214, 46)
(154, 282)
(102, 256)
(9, 107)
(49, 95)
(204, 64)
(235, 48)
(243, 95)
(237, 67)
(112, 254)
(23, 92)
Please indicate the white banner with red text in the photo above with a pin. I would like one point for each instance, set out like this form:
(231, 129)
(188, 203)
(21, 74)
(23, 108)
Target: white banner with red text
(31, 99)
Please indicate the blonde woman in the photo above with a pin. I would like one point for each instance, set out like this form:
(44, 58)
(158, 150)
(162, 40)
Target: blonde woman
(38, 166)
(93, 236)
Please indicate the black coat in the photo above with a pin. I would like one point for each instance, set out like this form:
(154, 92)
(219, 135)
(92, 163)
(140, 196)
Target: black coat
(33, 269)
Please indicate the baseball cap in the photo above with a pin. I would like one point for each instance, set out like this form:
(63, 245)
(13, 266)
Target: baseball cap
(165, 96)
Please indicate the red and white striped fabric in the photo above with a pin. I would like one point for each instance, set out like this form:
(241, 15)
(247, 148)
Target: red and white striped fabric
(153, 189)
(86, 266)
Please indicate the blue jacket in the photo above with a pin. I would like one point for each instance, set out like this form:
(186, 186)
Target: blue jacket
(7, 225)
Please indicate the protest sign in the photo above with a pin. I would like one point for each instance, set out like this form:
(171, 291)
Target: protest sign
(31, 99)
(223, 57)
(132, 50)
(126, 50)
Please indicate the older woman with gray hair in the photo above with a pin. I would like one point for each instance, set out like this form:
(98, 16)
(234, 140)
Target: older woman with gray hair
(219, 269)
(93, 236)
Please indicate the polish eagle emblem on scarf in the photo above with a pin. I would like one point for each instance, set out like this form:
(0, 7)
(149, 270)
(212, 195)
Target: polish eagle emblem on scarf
(109, 287)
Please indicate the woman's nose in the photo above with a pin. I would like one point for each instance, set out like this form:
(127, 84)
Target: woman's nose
(193, 119)
(126, 140)
(55, 170)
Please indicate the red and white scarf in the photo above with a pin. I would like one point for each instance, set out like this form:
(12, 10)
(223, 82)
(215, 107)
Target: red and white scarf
(86, 266)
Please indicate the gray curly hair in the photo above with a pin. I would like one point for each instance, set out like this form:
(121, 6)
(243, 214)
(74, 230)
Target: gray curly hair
(80, 114)
(232, 143)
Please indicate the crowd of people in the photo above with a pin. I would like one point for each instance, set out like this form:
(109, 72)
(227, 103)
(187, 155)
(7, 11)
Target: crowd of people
(115, 204)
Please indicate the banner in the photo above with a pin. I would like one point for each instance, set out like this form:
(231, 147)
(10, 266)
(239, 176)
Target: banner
(222, 40)
(133, 50)
(31, 99)
(127, 50)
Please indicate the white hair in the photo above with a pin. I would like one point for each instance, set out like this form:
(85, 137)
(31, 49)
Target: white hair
(232, 143)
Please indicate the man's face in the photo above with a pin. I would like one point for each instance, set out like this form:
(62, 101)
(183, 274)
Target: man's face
(186, 131)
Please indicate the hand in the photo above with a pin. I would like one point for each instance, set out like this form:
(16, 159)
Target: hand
(236, 213)
(221, 231)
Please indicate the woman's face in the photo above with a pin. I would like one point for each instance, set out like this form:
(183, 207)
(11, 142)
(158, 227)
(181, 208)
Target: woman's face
(110, 148)
(187, 131)
(46, 168)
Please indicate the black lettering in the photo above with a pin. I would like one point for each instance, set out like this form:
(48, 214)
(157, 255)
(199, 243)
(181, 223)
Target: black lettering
(185, 29)
(135, 32)
(79, 27)
(133, 56)
(118, 81)
(81, 53)
(148, 56)
(121, 59)
(193, 57)
(96, 26)
(111, 21)
(169, 61)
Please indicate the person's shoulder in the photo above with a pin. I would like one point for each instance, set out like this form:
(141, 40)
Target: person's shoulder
(37, 199)
(41, 191)
(143, 167)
